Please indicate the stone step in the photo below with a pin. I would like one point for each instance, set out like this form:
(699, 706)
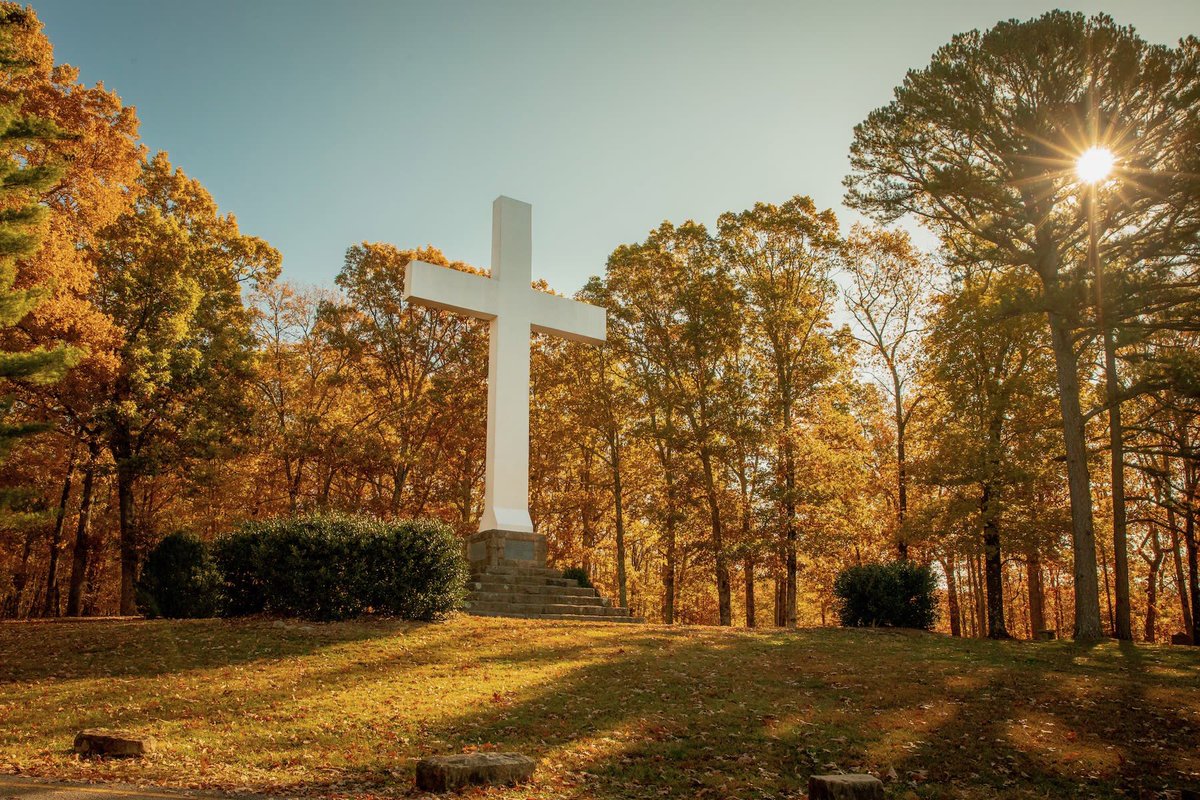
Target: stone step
(525, 580)
(568, 617)
(532, 588)
(571, 609)
(485, 596)
(537, 572)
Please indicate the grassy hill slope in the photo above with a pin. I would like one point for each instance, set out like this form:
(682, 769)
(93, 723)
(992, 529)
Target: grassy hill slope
(611, 711)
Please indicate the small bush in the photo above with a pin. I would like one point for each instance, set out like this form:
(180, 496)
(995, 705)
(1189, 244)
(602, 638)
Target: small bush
(579, 574)
(179, 579)
(900, 595)
(327, 567)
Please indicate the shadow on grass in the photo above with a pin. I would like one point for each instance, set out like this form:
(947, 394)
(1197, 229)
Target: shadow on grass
(136, 648)
(640, 711)
(689, 715)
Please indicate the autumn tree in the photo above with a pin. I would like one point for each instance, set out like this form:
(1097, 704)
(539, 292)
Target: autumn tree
(987, 359)
(78, 159)
(170, 274)
(886, 295)
(597, 398)
(305, 396)
(783, 258)
(980, 146)
(416, 366)
(682, 308)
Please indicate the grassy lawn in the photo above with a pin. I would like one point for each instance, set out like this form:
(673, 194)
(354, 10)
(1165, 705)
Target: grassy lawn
(611, 711)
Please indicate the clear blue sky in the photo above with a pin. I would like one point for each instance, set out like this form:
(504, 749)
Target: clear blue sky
(324, 124)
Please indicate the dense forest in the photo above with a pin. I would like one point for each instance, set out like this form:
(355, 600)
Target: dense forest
(781, 395)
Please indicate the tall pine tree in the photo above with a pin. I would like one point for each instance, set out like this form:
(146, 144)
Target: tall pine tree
(22, 180)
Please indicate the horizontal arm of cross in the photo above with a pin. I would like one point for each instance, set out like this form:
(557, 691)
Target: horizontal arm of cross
(570, 319)
(450, 290)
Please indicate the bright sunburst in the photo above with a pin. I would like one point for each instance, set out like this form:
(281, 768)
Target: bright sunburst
(1095, 164)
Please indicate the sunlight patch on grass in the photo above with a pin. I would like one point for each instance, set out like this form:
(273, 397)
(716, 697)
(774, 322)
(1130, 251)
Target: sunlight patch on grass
(611, 711)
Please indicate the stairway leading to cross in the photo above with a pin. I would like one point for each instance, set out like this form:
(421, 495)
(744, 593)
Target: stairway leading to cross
(538, 593)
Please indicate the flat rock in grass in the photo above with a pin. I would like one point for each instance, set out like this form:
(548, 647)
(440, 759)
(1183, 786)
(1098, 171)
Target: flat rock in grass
(445, 773)
(844, 787)
(112, 743)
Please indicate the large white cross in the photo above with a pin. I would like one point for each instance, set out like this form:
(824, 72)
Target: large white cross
(512, 307)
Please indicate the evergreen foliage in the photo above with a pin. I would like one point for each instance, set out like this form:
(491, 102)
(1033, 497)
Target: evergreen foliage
(179, 579)
(327, 567)
(22, 180)
(900, 594)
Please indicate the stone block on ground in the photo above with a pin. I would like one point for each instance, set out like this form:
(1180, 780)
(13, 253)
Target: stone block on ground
(112, 743)
(446, 773)
(844, 787)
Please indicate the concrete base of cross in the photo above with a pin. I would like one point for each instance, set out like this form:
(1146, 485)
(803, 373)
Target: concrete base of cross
(496, 548)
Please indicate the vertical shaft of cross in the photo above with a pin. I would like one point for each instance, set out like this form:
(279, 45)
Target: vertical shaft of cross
(506, 479)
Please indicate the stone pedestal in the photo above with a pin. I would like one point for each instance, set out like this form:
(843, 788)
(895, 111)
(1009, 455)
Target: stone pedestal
(496, 548)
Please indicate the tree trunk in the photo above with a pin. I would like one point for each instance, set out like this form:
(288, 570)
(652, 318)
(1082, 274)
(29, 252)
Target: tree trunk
(20, 578)
(50, 602)
(586, 511)
(1058, 603)
(79, 560)
(993, 566)
(1121, 622)
(751, 620)
(91, 590)
(1173, 527)
(669, 555)
(952, 596)
(1037, 603)
(789, 504)
(1153, 565)
(724, 589)
(970, 618)
(1123, 628)
(981, 625)
(1181, 589)
(1083, 535)
(901, 473)
(128, 540)
(614, 443)
(780, 602)
(1108, 604)
(1010, 608)
(1189, 539)
(121, 445)
(748, 558)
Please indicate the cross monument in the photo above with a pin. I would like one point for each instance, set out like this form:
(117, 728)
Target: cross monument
(513, 308)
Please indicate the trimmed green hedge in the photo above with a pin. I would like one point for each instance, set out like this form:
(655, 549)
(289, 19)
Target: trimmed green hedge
(179, 579)
(901, 594)
(327, 567)
(320, 567)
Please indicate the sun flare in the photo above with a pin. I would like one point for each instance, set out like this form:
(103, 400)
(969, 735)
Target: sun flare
(1095, 164)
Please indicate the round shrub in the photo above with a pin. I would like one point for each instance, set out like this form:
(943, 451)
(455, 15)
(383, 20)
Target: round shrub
(179, 579)
(578, 574)
(900, 594)
(334, 566)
